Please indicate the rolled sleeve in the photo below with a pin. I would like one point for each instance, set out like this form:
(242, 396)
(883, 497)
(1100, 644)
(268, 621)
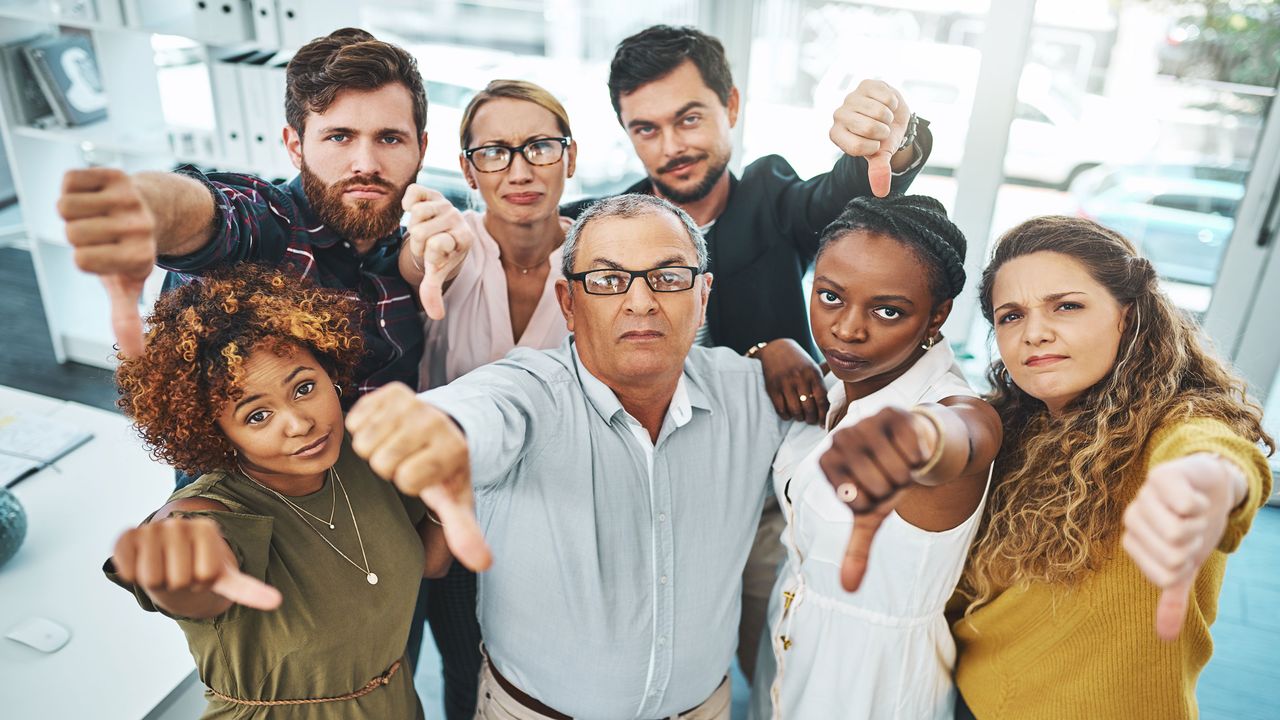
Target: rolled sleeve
(252, 222)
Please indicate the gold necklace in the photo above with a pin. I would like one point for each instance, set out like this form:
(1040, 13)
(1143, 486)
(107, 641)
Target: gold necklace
(523, 270)
(369, 574)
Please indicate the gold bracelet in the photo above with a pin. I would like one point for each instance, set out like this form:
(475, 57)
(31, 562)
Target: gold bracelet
(755, 349)
(934, 459)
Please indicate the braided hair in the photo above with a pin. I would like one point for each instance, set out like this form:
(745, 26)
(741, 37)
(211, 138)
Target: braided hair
(918, 221)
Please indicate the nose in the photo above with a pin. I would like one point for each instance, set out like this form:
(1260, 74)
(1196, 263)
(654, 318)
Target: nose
(520, 170)
(297, 423)
(672, 145)
(849, 327)
(1036, 330)
(364, 159)
(640, 298)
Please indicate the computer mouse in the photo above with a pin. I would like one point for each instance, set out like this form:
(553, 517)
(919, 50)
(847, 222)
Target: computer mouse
(40, 633)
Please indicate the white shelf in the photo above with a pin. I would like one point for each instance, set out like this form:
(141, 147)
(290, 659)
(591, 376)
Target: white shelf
(40, 12)
(104, 135)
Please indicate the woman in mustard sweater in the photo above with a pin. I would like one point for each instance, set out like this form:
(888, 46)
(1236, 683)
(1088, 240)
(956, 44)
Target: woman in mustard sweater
(1130, 467)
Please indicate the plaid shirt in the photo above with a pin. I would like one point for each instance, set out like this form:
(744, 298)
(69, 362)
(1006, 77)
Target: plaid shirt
(257, 221)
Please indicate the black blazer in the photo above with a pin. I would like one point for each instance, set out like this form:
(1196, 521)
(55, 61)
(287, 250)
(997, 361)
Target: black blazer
(764, 243)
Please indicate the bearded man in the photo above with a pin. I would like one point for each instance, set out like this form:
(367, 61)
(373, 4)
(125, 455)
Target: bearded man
(357, 116)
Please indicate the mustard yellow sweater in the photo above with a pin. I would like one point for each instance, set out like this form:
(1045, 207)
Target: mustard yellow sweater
(1043, 652)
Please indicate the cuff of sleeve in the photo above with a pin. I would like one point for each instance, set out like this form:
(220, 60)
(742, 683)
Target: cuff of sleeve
(1257, 490)
(466, 415)
(212, 251)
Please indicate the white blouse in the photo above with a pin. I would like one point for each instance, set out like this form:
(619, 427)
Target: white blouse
(885, 651)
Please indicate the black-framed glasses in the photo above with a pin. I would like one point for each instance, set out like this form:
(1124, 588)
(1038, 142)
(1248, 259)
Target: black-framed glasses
(610, 281)
(496, 158)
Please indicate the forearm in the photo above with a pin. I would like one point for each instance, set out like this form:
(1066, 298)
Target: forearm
(437, 555)
(182, 208)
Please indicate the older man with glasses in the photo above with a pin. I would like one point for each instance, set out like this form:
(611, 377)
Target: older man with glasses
(618, 479)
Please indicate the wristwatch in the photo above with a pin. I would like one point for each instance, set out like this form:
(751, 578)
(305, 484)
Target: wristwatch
(910, 137)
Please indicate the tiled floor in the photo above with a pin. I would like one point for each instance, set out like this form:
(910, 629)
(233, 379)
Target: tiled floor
(1242, 682)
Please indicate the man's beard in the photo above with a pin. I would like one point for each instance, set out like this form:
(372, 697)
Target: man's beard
(362, 219)
(715, 170)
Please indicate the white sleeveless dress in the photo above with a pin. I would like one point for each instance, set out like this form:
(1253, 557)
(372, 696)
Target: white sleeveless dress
(884, 651)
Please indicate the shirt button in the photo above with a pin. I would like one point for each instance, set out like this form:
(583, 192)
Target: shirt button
(662, 517)
(662, 640)
(663, 579)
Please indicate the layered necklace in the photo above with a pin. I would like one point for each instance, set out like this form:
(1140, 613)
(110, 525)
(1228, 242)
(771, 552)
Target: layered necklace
(335, 479)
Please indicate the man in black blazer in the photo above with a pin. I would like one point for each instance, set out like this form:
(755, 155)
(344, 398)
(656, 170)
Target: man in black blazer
(673, 92)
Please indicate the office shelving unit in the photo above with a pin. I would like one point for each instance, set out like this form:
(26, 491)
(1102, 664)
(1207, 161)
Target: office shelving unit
(134, 136)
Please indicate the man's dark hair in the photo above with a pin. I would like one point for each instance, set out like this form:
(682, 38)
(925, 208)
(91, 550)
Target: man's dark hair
(653, 53)
(348, 59)
(919, 222)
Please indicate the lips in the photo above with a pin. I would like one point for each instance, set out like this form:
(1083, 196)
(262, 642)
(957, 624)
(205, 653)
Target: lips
(365, 192)
(846, 362)
(642, 335)
(314, 448)
(1043, 360)
(523, 198)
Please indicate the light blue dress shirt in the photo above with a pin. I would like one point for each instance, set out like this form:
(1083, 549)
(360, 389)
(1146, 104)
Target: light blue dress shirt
(615, 586)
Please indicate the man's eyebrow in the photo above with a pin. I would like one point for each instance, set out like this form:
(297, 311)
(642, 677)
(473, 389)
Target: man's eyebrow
(691, 105)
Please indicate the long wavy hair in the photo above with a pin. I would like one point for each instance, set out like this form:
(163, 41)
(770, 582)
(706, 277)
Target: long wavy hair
(1057, 494)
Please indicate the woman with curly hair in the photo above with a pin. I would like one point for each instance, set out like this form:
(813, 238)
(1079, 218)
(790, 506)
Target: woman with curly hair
(292, 569)
(853, 634)
(1129, 451)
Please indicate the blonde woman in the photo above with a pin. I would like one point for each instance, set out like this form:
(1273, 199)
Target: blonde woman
(1130, 468)
(487, 281)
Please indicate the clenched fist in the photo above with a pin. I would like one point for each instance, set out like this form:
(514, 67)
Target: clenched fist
(112, 233)
(422, 451)
(439, 240)
(871, 123)
(179, 559)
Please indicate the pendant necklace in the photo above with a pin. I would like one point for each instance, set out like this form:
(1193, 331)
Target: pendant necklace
(370, 576)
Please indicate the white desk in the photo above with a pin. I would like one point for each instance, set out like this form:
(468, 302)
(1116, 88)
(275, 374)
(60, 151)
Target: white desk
(121, 662)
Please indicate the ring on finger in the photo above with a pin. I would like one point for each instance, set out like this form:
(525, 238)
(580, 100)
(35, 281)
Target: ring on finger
(847, 492)
(803, 397)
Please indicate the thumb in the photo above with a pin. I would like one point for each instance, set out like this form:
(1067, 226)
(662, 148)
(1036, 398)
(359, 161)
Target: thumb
(1171, 611)
(879, 172)
(245, 590)
(431, 291)
(123, 293)
(858, 553)
(455, 506)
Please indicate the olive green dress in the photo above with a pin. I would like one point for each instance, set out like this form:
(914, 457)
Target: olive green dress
(334, 631)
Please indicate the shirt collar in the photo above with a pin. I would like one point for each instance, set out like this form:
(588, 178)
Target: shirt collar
(608, 406)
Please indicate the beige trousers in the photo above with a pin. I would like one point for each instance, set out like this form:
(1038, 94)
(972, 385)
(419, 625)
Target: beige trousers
(496, 703)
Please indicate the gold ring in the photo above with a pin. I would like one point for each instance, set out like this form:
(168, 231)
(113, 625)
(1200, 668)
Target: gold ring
(804, 398)
(847, 492)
